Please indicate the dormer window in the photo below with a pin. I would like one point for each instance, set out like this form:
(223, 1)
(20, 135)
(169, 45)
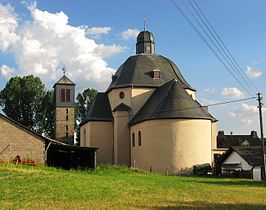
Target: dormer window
(156, 74)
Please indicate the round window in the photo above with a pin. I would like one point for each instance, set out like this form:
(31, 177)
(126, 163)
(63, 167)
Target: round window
(121, 94)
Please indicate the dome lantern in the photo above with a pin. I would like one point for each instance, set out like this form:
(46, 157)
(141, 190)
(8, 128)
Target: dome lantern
(145, 43)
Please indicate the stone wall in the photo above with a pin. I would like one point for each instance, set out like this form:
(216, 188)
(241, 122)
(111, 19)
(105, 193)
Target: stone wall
(19, 141)
(64, 116)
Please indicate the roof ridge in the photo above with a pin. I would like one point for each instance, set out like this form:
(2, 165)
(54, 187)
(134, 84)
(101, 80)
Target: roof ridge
(170, 83)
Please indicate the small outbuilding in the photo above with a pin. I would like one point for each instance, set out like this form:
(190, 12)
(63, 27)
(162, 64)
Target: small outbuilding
(243, 161)
(19, 142)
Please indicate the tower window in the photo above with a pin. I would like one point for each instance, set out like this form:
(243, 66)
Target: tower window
(67, 127)
(67, 118)
(139, 138)
(65, 95)
(67, 111)
(133, 139)
(66, 134)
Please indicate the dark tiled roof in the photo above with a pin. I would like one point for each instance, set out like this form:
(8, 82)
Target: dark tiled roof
(226, 141)
(100, 110)
(171, 101)
(136, 71)
(251, 154)
(122, 107)
(64, 81)
(145, 36)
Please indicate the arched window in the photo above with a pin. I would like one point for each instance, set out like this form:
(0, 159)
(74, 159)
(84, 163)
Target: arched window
(133, 139)
(139, 137)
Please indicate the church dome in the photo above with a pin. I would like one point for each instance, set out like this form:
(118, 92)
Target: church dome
(139, 70)
(145, 36)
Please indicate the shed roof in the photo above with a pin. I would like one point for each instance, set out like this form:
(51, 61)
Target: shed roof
(171, 101)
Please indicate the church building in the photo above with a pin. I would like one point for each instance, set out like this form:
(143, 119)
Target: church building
(149, 117)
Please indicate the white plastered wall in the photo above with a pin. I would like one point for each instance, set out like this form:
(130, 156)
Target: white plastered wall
(98, 134)
(235, 158)
(171, 145)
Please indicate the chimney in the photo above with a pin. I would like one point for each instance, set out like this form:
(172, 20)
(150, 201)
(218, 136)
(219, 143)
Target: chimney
(220, 133)
(254, 134)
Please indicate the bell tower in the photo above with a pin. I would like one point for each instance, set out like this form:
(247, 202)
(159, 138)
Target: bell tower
(64, 96)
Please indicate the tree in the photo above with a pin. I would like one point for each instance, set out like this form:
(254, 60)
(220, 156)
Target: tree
(25, 100)
(46, 115)
(84, 102)
(83, 105)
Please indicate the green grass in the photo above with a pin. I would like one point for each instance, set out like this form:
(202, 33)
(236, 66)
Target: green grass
(110, 187)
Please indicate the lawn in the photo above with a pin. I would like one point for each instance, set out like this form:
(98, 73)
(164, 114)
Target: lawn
(23, 187)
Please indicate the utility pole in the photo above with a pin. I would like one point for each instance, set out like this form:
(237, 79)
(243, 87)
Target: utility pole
(261, 134)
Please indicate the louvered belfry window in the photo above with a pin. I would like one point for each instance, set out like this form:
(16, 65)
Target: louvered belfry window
(65, 95)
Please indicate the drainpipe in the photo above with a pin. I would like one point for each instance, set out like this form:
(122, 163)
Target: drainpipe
(46, 151)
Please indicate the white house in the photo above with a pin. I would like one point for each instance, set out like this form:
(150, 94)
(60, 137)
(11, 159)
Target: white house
(245, 160)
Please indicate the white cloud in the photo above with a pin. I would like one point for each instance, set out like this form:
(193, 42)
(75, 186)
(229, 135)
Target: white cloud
(42, 44)
(130, 33)
(232, 93)
(206, 101)
(232, 114)
(8, 25)
(253, 73)
(106, 51)
(97, 30)
(246, 113)
(6, 71)
(249, 108)
(210, 90)
(247, 121)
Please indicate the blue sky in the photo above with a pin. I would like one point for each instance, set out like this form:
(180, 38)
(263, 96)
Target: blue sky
(93, 38)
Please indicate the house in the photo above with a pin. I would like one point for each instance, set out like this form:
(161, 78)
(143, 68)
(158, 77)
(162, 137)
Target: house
(149, 117)
(243, 161)
(224, 142)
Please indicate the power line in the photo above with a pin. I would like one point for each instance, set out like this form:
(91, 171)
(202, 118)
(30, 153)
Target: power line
(223, 50)
(195, 107)
(209, 45)
(221, 43)
(218, 47)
